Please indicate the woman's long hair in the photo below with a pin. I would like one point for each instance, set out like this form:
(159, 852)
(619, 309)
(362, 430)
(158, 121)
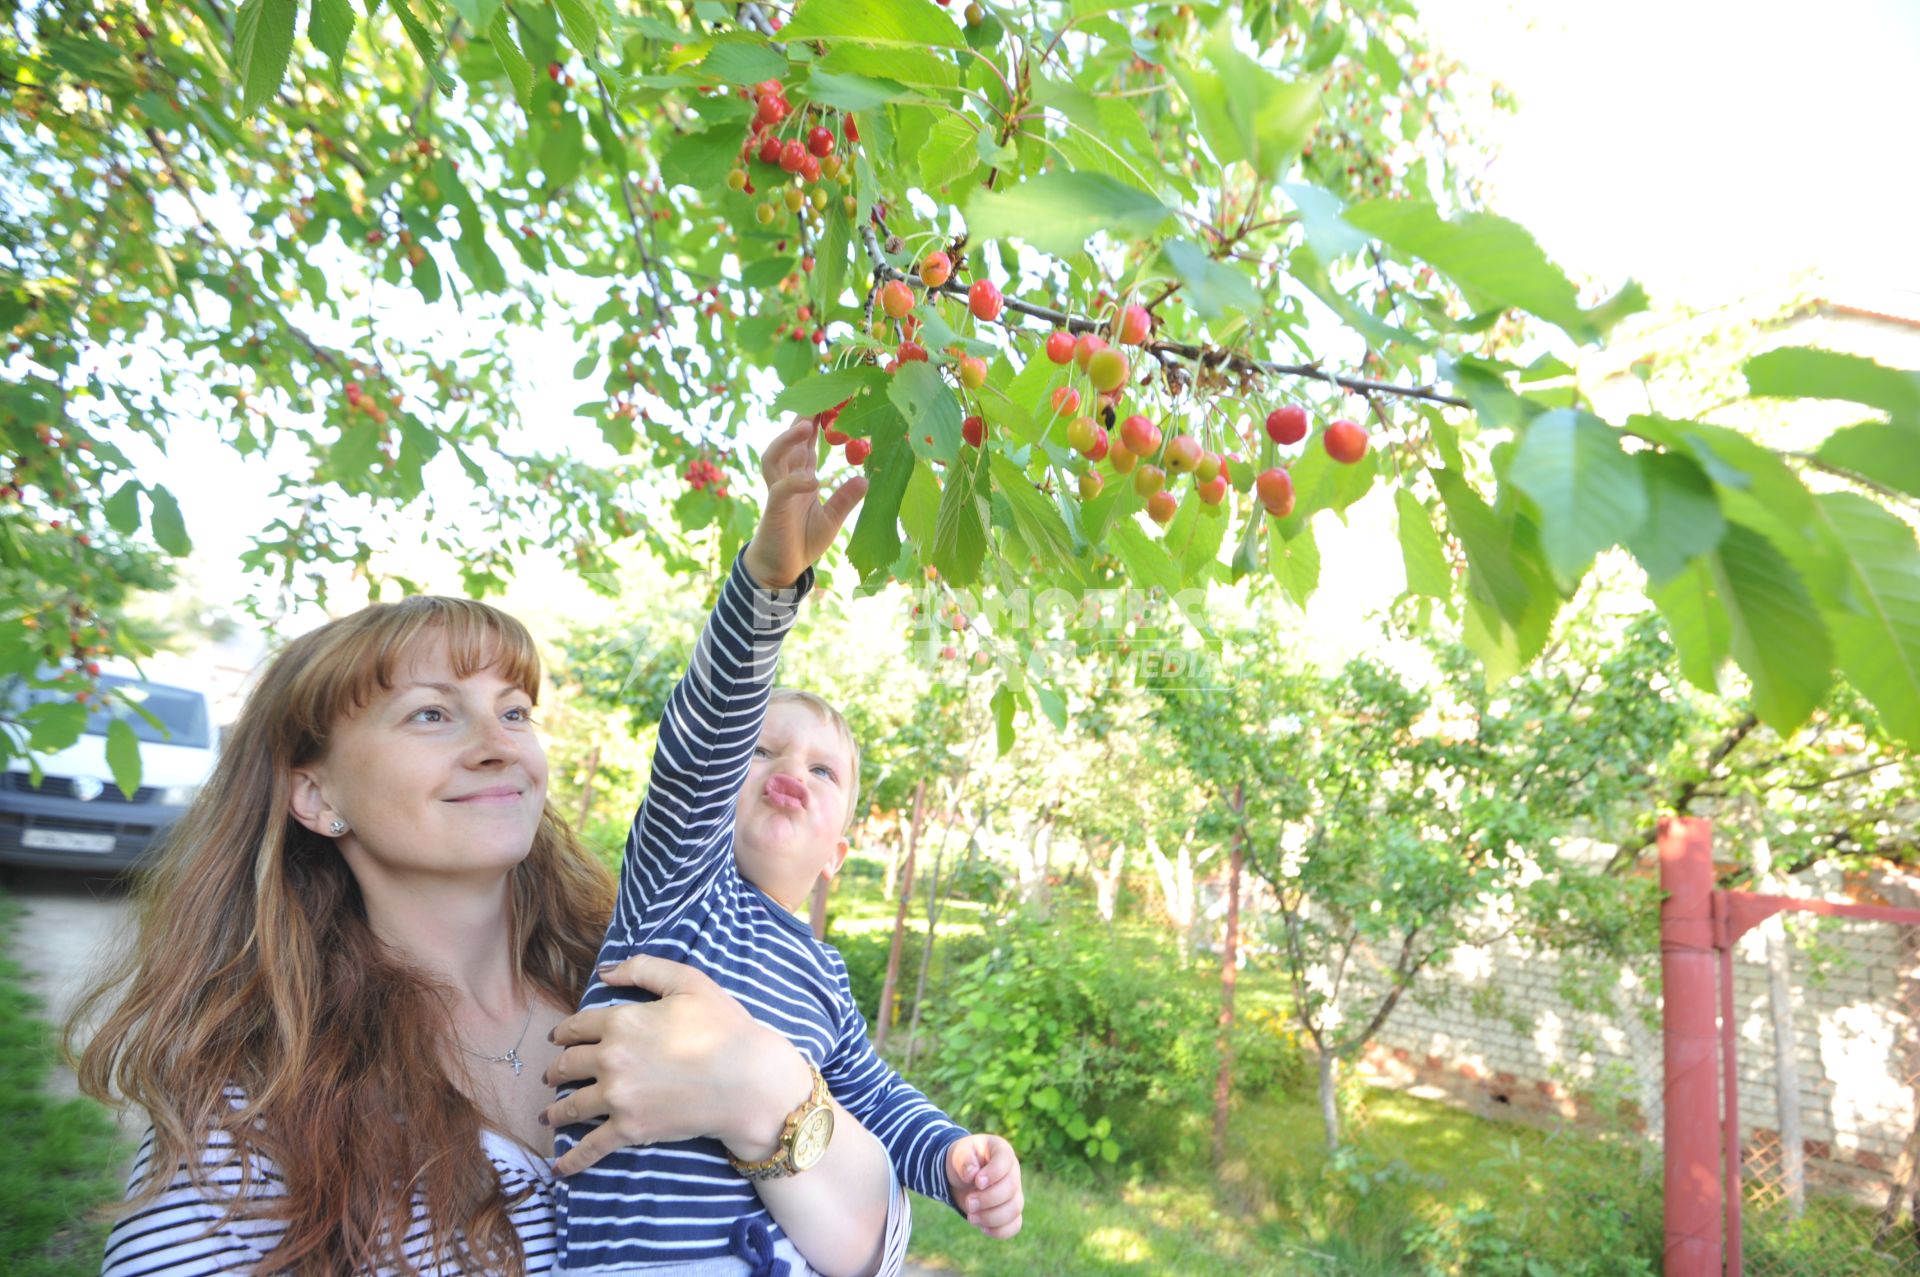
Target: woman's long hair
(255, 968)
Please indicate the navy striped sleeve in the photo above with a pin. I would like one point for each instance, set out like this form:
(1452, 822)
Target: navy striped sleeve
(707, 734)
(915, 1133)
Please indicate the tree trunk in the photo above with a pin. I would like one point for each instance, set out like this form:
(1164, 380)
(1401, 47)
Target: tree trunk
(883, 1014)
(1786, 1057)
(1106, 882)
(926, 952)
(1229, 969)
(1330, 1098)
(586, 789)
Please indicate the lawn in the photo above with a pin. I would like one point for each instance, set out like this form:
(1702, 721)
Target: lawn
(65, 1157)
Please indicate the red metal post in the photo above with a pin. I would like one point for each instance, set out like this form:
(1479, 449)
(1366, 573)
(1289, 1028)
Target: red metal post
(1730, 1094)
(1694, 1221)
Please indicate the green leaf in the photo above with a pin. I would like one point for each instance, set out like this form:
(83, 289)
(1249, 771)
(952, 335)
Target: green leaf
(1034, 516)
(583, 28)
(1503, 573)
(1058, 212)
(55, 725)
(848, 92)
(562, 152)
(932, 413)
(1878, 643)
(1211, 288)
(910, 22)
(743, 58)
(1320, 211)
(876, 536)
(1003, 707)
(1243, 110)
(169, 529)
(123, 508)
(329, 26)
(424, 44)
(1887, 452)
(960, 527)
(1109, 1151)
(1194, 537)
(1496, 262)
(1697, 623)
(123, 757)
(1052, 704)
(948, 154)
(1803, 372)
(1773, 629)
(818, 391)
(1589, 493)
(1295, 563)
(479, 14)
(700, 160)
(1683, 518)
(262, 43)
(1420, 549)
(512, 60)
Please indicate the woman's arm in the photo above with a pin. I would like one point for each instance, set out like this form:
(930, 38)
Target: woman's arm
(695, 1064)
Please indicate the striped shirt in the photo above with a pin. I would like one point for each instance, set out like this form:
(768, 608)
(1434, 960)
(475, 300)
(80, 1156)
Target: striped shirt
(185, 1233)
(682, 897)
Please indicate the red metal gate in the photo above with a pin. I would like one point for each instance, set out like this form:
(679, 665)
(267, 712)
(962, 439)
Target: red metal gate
(1699, 926)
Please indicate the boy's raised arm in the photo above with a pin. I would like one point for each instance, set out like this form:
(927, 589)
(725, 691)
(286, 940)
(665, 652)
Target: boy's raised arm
(714, 713)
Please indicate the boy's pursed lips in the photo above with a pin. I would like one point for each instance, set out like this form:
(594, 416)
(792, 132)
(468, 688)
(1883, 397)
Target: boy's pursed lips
(785, 792)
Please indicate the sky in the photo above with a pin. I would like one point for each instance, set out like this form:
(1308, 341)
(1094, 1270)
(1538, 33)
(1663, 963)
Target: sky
(1709, 150)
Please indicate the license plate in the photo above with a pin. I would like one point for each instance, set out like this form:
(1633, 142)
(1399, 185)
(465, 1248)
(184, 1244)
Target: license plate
(62, 840)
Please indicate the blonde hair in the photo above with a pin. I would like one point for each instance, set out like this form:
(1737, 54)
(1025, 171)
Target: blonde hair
(255, 968)
(827, 710)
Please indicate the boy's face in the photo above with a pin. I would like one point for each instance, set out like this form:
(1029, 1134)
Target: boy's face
(791, 812)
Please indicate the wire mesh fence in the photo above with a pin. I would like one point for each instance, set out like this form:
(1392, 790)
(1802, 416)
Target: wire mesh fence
(1828, 1024)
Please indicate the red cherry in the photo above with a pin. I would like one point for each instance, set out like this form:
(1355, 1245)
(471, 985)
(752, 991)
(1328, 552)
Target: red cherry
(1066, 401)
(1060, 346)
(770, 150)
(912, 352)
(1122, 458)
(974, 430)
(809, 168)
(792, 156)
(1345, 441)
(1149, 479)
(1086, 347)
(852, 131)
(1082, 432)
(1213, 491)
(896, 298)
(858, 450)
(770, 111)
(935, 269)
(1099, 450)
(1107, 370)
(1183, 454)
(1133, 326)
(973, 372)
(834, 437)
(1288, 424)
(1275, 489)
(984, 300)
(1161, 507)
(555, 71)
(1141, 436)
(820, 140)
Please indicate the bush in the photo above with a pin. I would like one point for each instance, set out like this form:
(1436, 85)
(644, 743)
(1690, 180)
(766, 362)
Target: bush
(1060, 1029)
(865, 953)
(1269, 1056)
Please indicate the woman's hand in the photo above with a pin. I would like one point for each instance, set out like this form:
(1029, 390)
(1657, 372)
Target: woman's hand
(692, 1064)
(796, 527)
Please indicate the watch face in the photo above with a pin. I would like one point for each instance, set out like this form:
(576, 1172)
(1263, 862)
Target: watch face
(810, 1141)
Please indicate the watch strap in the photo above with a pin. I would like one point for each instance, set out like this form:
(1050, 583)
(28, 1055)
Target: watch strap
(780, 1164)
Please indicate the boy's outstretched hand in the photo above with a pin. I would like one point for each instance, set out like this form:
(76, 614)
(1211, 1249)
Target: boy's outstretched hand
(796, 526)
(984, 1173)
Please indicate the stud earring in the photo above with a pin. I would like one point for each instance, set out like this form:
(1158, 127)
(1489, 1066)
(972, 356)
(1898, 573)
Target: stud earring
(337, 828)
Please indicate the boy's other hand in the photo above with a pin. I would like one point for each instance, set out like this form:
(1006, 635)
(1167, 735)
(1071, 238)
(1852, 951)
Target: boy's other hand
(983, 1172)
(796, 526)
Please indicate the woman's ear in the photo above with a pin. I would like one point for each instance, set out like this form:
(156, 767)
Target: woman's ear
(308, 804)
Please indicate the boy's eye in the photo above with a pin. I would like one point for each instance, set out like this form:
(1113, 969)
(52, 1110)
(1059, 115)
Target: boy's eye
(761, 751)
(824, 770)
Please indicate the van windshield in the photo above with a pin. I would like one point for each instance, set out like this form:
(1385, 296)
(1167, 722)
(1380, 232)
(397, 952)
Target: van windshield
(182, 714)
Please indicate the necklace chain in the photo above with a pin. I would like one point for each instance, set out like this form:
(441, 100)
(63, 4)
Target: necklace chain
(512, 1055)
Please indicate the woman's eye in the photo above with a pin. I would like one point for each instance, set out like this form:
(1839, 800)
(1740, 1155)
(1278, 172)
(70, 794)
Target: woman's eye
(431, 709)
(525, 713)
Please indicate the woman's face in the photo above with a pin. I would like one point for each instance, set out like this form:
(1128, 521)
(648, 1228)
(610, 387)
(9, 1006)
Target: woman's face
(439, 776)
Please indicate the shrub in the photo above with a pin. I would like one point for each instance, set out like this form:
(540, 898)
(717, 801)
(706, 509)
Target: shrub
(1059, 1029)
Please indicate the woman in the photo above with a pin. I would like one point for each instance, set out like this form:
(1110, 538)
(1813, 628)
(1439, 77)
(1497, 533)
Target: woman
(355, 965)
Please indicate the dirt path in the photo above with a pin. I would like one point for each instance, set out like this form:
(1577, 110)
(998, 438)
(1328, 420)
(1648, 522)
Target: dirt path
(69, 923)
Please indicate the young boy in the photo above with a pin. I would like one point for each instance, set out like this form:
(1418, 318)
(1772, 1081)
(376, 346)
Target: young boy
(748, 804)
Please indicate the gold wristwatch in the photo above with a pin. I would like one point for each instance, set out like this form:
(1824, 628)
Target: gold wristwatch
(803, 1138)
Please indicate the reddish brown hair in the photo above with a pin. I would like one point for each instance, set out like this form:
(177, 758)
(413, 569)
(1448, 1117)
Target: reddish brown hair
(254, 967)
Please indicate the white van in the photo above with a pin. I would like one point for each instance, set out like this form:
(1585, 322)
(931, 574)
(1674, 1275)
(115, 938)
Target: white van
(77, 818)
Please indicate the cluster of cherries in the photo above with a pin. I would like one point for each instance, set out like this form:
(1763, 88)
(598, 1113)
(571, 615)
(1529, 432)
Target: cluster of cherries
(360, 401)
(857, 450)
(808, 157)
(702, 474)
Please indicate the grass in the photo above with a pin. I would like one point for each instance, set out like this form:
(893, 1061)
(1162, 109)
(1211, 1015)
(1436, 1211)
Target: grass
(64, 1158)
